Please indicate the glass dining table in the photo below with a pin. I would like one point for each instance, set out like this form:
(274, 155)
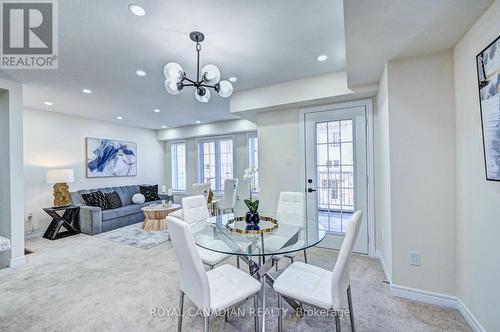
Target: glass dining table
(256, 244)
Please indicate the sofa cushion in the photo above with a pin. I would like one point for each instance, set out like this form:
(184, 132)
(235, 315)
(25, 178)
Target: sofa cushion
(150, 192)
(96, 198)
(114, 200)
(124, 211)
(121, 212)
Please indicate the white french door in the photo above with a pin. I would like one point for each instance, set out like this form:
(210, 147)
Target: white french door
(336, 172)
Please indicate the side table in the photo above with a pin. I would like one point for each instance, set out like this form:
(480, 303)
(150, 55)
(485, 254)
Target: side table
(70, 220)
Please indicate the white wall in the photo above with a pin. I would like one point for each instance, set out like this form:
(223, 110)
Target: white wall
(478, 200)
(12, 191)
(422, 169)
(53, 140)
(279, 155)
(382, 169)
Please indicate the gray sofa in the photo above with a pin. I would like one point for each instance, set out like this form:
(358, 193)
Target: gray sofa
(93, 220)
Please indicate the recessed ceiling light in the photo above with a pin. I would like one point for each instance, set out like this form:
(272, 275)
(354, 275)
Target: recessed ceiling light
(164, 126)
(156, 110)
(198, 121)
(232, 79)
(48, 103)
(136, 9)
(119, 118)
(87, 91)
(322, 57)
(140, 72)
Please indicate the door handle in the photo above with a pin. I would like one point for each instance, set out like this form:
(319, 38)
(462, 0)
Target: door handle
(310, 190)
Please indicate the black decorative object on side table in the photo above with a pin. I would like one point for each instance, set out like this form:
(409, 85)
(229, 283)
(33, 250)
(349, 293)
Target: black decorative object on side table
(70, 220)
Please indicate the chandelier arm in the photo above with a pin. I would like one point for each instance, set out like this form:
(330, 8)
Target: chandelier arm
(187, 79)
(189, 84)
(208, 86)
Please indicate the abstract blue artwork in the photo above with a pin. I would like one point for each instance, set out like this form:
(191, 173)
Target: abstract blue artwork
(488, 69)
(109, 158)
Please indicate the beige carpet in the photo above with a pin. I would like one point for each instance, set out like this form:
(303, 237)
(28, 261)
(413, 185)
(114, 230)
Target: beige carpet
(84, 283)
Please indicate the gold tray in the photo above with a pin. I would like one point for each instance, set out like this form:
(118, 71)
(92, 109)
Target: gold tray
(239, 225)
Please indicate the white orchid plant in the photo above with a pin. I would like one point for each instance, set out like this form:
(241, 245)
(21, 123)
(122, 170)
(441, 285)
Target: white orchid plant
(249, 176)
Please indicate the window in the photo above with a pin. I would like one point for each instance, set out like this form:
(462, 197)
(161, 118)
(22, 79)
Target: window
(215, 161)
(253, 158)
(178, 156)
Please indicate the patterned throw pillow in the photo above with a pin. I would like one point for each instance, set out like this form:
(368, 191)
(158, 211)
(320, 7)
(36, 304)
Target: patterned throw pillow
(150, 192)
(113, 199)
(96, 198)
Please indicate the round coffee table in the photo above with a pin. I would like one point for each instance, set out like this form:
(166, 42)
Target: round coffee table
(154, 216)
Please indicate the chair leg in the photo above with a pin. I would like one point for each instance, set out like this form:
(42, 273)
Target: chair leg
(206, 326)
(292, 259)
(337, 323)
(226, 316)
(280, 314)
(256, 308)
(351, 314)
(276, 265)
(305, 256)
(238, 262)
(181, 309)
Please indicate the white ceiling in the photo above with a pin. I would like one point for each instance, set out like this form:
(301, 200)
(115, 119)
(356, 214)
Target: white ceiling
(101, 44)
(378, 31)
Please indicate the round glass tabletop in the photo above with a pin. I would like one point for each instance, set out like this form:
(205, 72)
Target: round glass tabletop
(275, 234)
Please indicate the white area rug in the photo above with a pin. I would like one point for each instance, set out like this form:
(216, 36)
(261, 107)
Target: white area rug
(135, 236)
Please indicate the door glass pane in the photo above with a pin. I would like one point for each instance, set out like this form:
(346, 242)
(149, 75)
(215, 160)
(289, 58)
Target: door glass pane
(321, 133)
(335, 173)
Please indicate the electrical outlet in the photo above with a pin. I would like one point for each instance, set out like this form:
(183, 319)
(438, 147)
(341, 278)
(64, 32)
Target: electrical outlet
(414, 258)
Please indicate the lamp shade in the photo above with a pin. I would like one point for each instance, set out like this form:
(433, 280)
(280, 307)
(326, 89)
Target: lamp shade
(60, 176)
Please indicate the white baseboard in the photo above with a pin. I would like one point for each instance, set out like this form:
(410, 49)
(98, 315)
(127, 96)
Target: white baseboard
(18, 261)
(34, 234)
(378, 254)
(419, 295)
(469, 317)
(443, 300)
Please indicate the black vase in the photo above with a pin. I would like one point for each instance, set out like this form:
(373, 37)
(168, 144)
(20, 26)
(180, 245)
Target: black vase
(256, 218)
(252, 218)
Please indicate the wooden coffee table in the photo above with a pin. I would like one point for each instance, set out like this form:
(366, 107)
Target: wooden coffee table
(155, 215)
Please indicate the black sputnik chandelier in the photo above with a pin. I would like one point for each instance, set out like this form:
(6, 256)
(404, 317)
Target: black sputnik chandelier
(206, 79)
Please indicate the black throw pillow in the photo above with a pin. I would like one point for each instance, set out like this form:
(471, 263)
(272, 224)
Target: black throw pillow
(113, 199)
(150, 192)
(96, 198)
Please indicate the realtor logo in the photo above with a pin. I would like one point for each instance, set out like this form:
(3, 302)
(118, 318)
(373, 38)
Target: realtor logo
(29, 34)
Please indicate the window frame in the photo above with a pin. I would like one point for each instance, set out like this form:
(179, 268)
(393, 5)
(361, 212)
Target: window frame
(218, 166)
(172, 143)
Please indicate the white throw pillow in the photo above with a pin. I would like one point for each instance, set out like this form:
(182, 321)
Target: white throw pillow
(138, 199)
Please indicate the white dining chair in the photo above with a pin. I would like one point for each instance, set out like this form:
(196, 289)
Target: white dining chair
(200, 189)
(291, 210)
(214, 291)
(228, 201)
(312, 285)
(194, 209)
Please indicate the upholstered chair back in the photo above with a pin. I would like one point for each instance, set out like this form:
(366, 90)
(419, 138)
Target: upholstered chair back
(340, 277)
(194, 208)
(291, 208)
(193, 277)
(229, 199)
